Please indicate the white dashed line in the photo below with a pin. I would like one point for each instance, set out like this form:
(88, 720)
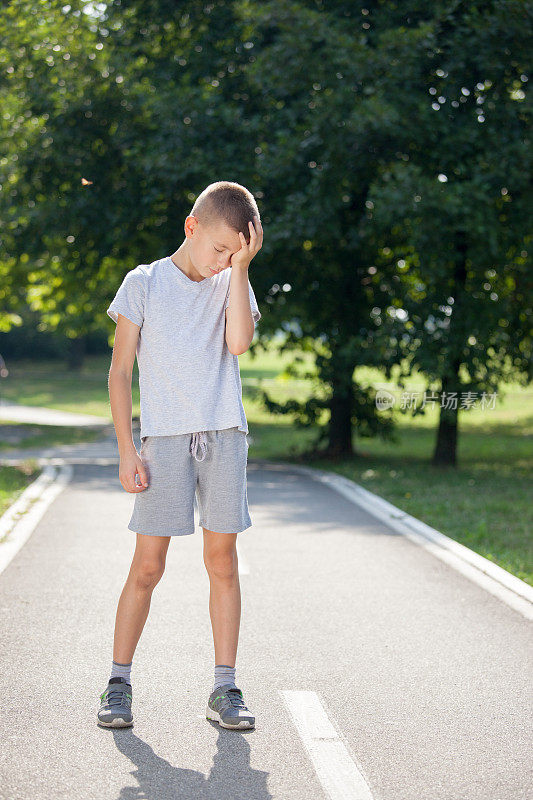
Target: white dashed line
(334, 766)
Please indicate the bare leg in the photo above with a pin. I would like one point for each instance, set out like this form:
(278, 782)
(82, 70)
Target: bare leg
(147, 567)
(221, 562)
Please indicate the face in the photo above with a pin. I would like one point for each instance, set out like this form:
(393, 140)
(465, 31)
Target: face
(211, 247)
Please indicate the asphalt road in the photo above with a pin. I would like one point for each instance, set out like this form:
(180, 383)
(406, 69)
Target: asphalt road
(423, 677)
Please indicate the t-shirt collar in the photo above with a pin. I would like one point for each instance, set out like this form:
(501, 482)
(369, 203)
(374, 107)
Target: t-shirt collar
(183, 278)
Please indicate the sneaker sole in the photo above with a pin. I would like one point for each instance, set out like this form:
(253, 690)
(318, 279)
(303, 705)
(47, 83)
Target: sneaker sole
(214, 716)
(115, 723)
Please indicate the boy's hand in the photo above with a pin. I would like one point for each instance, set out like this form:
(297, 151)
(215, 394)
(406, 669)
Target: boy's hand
(130, 467)
(241, 259)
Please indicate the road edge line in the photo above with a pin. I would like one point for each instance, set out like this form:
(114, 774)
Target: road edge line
(495, 579)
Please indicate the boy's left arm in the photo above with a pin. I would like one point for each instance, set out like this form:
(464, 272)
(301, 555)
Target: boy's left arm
(239, 320)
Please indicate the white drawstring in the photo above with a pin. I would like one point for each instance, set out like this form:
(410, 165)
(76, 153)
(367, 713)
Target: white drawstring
(199, 438)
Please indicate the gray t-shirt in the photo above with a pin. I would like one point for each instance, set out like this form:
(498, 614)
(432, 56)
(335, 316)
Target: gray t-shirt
(188, 379)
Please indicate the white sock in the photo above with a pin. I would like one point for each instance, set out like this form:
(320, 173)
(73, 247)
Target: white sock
(223, 674)
(121, 671)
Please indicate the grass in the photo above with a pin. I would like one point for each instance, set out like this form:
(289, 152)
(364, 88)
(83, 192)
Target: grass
(13, 481)
(484, 503)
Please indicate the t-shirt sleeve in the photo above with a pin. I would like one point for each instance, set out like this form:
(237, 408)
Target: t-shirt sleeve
(256, 314)
(129, 300)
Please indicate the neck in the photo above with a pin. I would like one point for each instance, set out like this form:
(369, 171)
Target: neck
(182, 261)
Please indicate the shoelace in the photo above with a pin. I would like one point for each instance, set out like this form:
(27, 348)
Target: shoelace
(199, 438)
(236, 699)
(115, 696)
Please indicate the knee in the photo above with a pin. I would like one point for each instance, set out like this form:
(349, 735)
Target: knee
(222, 565)
(147, 573)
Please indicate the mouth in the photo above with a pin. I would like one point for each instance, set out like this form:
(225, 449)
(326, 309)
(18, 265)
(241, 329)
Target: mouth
(213, 271)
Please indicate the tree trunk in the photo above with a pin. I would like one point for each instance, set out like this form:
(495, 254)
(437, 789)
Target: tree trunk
(340, 424)
(446, 447)
(76, 353)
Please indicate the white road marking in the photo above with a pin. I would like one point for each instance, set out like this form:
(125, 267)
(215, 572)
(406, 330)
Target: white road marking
(335, 768)
(517, 594)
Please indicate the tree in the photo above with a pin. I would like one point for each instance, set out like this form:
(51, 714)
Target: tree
(322, 111)
(335, 84)
(457, 213)
(70, 217)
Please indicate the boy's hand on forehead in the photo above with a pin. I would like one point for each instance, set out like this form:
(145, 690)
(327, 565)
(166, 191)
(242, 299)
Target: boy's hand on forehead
(241, 259)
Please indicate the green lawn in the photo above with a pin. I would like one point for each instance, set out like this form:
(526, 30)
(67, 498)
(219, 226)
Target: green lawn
(485, 503)
(13, 481)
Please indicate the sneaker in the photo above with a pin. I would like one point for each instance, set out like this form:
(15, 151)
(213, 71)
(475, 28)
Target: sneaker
(115, 704)
(226, 706)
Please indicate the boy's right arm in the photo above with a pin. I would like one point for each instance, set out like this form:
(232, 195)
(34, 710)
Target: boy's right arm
(119, 382)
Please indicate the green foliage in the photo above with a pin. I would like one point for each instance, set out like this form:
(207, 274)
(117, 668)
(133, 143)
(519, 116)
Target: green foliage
(116, 116)
(454, 218)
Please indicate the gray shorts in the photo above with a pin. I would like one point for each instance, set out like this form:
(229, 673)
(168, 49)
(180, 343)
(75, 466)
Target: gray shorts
(209, 466)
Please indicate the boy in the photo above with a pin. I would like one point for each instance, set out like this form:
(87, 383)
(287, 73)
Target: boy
(187, 317)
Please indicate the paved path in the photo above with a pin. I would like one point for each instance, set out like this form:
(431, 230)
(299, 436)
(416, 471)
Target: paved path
(374, 669)
(15, 412)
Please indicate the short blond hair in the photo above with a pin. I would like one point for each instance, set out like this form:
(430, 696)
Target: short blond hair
(228, 202)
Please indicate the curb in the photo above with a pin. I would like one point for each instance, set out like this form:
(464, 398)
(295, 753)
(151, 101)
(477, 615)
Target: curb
(22, 517)
(517, 594)
(498, 581)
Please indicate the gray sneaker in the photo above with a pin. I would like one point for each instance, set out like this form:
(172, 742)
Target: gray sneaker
(226, 706)
(115, 705)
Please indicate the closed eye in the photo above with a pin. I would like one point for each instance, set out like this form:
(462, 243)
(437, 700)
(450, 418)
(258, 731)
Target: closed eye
(217, 251)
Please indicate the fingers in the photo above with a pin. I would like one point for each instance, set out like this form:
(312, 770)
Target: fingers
(141, 478)
(254, 231)
(253, 247)
(258, 226)
(253, 234)
(256, 241)
(136, 483)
